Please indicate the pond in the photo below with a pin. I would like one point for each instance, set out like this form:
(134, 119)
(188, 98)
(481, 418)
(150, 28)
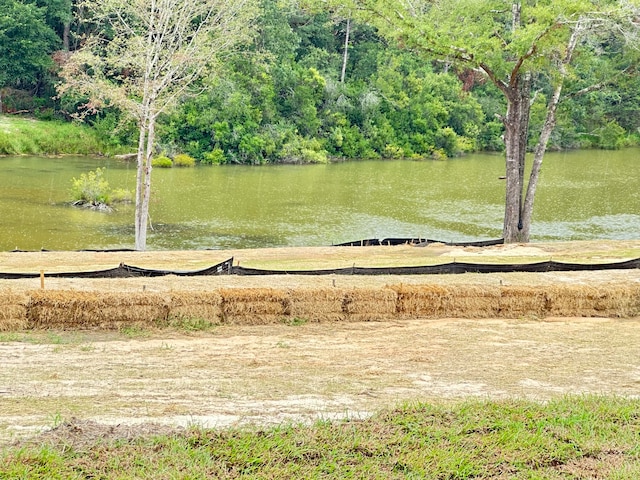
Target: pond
(581, 195)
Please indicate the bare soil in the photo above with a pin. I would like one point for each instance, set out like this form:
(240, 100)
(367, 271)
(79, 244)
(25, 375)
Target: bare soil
(238, 375)
(274, 374)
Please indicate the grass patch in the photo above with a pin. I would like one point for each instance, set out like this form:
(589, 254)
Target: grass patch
(295, 321)
(24, 136)
(572, 437)
(189, 324)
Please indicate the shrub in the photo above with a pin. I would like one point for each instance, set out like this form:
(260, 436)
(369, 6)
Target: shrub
(161, 162)
(214, 157)
(184, 160)
(90, 188)
(612, 136)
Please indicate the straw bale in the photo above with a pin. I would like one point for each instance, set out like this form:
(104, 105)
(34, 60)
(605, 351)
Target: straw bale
(255, 301)
(522, 301)
(203, 305)
(470, 301)
(77, 309)
(437, 301)
(420, 300)
(320, 304)
(13, 311)
(369, 300)
(587, 301)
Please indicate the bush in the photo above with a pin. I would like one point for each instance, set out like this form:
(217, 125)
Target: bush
(161, 162)
(184, 160)
(214, 157)
(90, 188)
(612, 136)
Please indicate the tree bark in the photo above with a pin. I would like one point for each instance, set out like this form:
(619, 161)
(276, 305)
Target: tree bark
(516, 130)
(140, 227)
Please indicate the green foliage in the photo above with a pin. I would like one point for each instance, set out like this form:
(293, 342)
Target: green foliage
(91, 188)
(161, 162)
(188, 324)
(214, 157)
(283, 102)
(184, 160)
(26, 42)
(611, 136)
(24, 136)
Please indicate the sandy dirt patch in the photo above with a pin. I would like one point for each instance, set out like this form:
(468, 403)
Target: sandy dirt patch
(275, 374)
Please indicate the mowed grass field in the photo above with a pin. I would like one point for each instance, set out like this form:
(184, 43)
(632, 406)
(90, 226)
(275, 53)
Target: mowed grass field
(307, 396)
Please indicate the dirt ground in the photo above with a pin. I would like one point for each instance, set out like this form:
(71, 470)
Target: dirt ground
(275, 374)
(236, 375)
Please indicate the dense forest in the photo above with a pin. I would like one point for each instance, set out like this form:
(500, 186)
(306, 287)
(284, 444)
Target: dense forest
(310, 85)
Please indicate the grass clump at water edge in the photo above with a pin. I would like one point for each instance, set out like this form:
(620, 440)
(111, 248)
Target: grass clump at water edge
(25, 136)
(572, 437)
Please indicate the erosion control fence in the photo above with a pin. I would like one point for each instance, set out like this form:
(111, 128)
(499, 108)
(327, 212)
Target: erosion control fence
(51, 309)
(227, 268)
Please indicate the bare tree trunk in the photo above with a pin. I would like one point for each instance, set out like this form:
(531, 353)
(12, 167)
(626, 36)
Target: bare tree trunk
(140, 232)
(146, 183)
(345, 56)
(541, 147)
(65, 36)
(516, 129)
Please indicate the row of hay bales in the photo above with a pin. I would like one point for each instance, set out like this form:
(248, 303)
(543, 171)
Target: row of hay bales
(51, 309)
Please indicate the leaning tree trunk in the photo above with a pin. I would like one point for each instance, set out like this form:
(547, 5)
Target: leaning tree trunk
(345, 54)
(516, 132)
(547, 129)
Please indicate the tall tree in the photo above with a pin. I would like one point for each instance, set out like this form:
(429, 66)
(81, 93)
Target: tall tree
(514, 44)
(149, 53)
(26, 44)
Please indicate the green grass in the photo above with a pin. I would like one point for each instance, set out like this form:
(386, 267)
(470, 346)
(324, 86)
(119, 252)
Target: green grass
(25, 136)
(572, 437)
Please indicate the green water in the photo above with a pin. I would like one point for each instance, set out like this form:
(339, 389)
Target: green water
(582, 195)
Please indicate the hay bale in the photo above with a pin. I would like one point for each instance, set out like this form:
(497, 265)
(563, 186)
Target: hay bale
(254, 306)
(420, 300)
(86, 310)
(619, 301)
(317, 304)
(455, 301)
(367, 304)
(13, 311)
(196, 305)
(587, 301)
(470, 301)
(519, 301)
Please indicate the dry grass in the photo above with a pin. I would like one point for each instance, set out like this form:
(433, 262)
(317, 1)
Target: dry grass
(13, 310)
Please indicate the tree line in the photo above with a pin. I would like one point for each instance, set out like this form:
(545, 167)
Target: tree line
(288, 95)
